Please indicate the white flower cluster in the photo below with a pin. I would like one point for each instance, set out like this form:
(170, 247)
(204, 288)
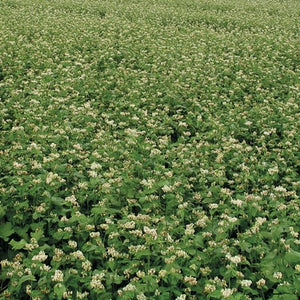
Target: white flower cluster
(40, 257)
(96, 282)
(58, 276)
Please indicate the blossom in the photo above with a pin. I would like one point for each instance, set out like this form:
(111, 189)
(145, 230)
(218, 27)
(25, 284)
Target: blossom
(189, 229)
(162, 273)
(237, 202)
(151, 232)
(209, 288)
(277, 275)
(129, 287)
(80, 295)
(191, 280)
(40, 257)
(58, 276)
(213, 205)
(166, 188)
(96, 282)
(72, 200)
(94, 234)
(226, 293)
(246, 283)
(261, 282)
(72, 244)
(141, 296)
(234, 259)
(86, 265)
(78, 254)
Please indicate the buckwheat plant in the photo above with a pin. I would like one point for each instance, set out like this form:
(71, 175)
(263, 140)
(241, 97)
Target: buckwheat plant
(149, 149)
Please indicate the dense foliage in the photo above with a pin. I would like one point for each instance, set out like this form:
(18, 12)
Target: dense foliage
(149, 149)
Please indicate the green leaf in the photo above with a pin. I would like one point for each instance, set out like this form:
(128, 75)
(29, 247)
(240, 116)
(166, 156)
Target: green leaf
(174, 278)
(78, 175)
(216, 294)
(37, 234)
(270, 256)
(2, 211)
(164, 296)
(26, 278)
(284, 297)
(17, 245)
(199, 241)
(293, 257)
(42, 281)
(6, 230)
(57, 201)
(284, 289)
(22, 231)
(59, 290)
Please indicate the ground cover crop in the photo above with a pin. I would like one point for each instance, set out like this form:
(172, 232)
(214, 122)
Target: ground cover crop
(149, 149)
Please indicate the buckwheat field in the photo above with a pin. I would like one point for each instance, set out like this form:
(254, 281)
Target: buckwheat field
(149, 149)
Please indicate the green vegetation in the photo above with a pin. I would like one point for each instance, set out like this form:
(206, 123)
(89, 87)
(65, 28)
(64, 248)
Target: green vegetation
(149, 149)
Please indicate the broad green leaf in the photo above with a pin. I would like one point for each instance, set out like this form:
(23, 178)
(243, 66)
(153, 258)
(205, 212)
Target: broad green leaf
(26, 278)
(293, 257)
(22, 231)
(199, 241)
(2, 211)
(59, 290)
(284, 297)
(6, 230)
(57, 201)
(216, 294)
(17, 245)
(37, 234)
(164, 296)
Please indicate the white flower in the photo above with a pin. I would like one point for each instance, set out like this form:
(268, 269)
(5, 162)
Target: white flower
(162, 273)
(94, 234)
(273, 170)
(277, 275)
(141, 297)
(45, 268)
(189, 229)
(191, 280)
(96, 281)
(86, 265)
(226, 292)
(72, 244)
(80, 295)
(261, 282)
(246, 282)
(77, 147)
(237, 202)
(152, 232)
(234, 259)
(72, 200)
(58, 276)
(40, 257)
(213, 205)
(128, 225)
(78, 254)
(129, 287)
(209, 288)
(95, 166)
(140, 274)
(166, 189)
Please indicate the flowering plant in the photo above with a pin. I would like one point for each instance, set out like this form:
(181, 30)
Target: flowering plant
(148, 149)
